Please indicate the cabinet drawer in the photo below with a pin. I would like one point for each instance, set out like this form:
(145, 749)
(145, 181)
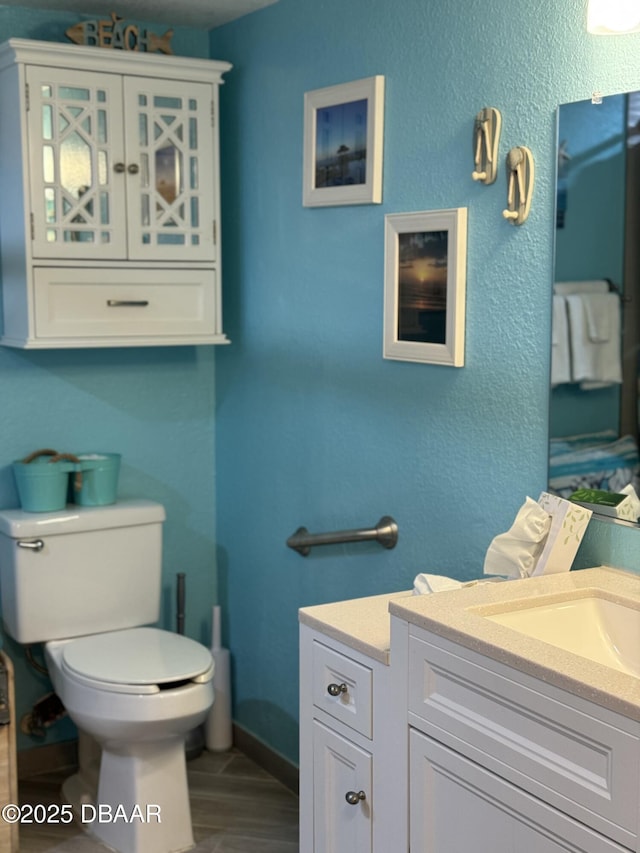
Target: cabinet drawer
(343, 688)
(566, 751)
(93, 302)
(458, 806)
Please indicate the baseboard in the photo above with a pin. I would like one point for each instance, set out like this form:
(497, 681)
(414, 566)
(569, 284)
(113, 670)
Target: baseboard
(50, 756)
(277, 765)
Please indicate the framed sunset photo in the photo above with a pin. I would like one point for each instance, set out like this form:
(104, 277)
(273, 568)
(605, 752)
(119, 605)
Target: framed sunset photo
(424, 286)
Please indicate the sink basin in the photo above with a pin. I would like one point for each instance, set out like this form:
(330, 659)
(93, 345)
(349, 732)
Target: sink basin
(594, 626)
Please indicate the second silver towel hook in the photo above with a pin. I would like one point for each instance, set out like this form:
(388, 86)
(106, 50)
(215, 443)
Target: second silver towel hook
(520, 175)
(486, 138)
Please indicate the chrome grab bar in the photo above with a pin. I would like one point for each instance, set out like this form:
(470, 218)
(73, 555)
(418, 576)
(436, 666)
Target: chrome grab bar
(385, 533)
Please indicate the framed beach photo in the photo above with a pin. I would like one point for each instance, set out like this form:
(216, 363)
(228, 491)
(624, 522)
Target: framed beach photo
(343, 138)
(424, 286)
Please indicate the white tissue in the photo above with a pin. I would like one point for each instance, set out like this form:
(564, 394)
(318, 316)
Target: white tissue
(515, 553)
(631, 510)
(424, 584)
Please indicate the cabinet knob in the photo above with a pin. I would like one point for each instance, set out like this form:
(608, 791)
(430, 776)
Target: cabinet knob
(119, 167)
(337, 689)
(133, 168)
(354, 797)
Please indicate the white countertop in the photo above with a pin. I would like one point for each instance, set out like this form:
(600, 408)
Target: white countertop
(449, 614)
(360, 623)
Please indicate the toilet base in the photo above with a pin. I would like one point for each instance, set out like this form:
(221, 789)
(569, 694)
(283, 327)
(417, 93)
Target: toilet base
(142, 802)
(82, 788)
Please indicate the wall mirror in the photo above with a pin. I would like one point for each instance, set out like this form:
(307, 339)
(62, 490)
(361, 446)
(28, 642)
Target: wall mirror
(596, 328)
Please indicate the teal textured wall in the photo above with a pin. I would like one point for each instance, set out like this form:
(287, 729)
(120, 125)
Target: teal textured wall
(154, 406)
(313, 427)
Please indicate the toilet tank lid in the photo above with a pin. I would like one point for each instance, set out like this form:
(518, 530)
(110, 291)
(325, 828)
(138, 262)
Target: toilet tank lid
(18, 524)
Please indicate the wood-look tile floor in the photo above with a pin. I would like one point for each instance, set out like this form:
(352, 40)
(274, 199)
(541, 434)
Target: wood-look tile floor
(236, 807)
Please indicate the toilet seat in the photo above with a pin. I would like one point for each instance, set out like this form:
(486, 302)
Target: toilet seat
(136, 660)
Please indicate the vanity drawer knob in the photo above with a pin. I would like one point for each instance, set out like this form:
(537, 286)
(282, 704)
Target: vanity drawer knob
(354, 797)
(337, 689)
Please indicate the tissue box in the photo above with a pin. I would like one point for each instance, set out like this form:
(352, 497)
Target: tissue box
(612, 504)
(568, 525)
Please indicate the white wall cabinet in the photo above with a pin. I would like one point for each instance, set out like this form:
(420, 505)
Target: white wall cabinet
(110, 210)
(353, 772)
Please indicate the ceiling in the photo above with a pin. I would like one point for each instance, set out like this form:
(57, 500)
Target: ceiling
(185, 13)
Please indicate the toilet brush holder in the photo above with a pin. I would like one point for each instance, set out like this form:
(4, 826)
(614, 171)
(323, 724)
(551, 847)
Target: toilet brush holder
(218, 726)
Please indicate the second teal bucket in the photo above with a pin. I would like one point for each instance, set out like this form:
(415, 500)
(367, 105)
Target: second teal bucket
(100, 472)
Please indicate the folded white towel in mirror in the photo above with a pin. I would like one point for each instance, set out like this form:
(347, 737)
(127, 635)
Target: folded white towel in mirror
(594, 333)
(600, 309)
(515, 553)
(424, 584)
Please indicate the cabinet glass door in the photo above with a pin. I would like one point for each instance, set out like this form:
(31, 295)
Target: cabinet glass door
(170, 161)
(75, 142)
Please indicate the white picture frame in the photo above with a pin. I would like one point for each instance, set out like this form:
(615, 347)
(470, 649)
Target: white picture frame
(343, 140)
(424, 286)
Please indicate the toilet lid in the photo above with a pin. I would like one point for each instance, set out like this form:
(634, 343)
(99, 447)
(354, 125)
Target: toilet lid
(137, 656)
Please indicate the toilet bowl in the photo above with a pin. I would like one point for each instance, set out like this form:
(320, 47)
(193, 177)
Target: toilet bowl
(137, 693)
(86, 583)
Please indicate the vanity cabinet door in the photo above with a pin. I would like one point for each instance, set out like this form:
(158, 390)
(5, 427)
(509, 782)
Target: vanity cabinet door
(455, 805)
(570, 753)
(342, 781)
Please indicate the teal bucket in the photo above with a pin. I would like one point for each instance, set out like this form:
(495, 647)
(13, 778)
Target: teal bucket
(99, 484)
(42, 485)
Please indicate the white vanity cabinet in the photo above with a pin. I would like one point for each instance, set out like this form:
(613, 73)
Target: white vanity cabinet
(501, 761)
(353, 737)
(110, 212)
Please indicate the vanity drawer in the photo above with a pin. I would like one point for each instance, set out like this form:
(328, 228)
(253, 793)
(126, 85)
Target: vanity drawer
(568, 752)
(343, 688)
(87, 302)
(458, 806)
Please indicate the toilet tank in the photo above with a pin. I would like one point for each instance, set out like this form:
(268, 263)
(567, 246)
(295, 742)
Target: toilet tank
(83, 570)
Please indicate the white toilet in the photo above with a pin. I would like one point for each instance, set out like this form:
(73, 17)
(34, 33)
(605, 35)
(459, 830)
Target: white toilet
(83, 581)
